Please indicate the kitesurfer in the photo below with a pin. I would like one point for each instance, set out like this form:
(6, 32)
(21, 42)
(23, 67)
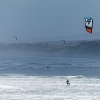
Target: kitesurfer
(47, 67)
(67, 82)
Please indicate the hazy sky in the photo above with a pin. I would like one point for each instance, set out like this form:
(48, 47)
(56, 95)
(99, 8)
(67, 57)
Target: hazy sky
(43, 20)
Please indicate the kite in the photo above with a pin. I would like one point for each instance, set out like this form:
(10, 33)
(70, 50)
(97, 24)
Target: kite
(88, 24)
(15, 38)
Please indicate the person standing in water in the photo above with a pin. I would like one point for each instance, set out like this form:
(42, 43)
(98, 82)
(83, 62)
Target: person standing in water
(67, 82)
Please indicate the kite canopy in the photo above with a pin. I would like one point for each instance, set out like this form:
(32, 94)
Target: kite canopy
(15, 37)
(88, 24)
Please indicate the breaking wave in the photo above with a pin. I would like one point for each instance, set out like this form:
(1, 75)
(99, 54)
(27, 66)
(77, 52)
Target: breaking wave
(58, 48)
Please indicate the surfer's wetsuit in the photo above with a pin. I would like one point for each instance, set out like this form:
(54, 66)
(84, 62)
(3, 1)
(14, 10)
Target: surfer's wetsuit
(68, 82)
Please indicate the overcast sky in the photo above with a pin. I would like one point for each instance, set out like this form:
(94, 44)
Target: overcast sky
(46, 20)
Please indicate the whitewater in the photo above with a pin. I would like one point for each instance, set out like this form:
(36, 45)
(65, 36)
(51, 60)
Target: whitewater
(38, 71)
(49, 88)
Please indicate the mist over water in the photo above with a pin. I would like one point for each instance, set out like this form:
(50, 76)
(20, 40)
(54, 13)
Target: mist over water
(85, 48)
(51, 58)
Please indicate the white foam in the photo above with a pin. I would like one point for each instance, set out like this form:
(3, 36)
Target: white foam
(48, 88)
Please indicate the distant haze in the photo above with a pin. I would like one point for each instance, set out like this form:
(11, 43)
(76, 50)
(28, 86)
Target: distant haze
(46, 20)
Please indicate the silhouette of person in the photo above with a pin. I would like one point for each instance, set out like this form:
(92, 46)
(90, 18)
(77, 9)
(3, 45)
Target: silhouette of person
(67, 82)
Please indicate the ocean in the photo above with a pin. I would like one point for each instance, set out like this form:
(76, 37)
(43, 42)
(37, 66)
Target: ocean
(38, 71)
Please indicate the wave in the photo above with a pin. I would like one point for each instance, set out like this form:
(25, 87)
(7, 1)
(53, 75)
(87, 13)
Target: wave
(76, 77)
(56, 48)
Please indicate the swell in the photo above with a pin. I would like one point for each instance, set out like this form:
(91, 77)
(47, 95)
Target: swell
(58, 48)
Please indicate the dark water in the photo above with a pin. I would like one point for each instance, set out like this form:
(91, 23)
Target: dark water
(50, 66)
(51, 58)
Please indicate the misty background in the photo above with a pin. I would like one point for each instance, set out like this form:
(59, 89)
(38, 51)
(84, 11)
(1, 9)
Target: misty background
(47, 20)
